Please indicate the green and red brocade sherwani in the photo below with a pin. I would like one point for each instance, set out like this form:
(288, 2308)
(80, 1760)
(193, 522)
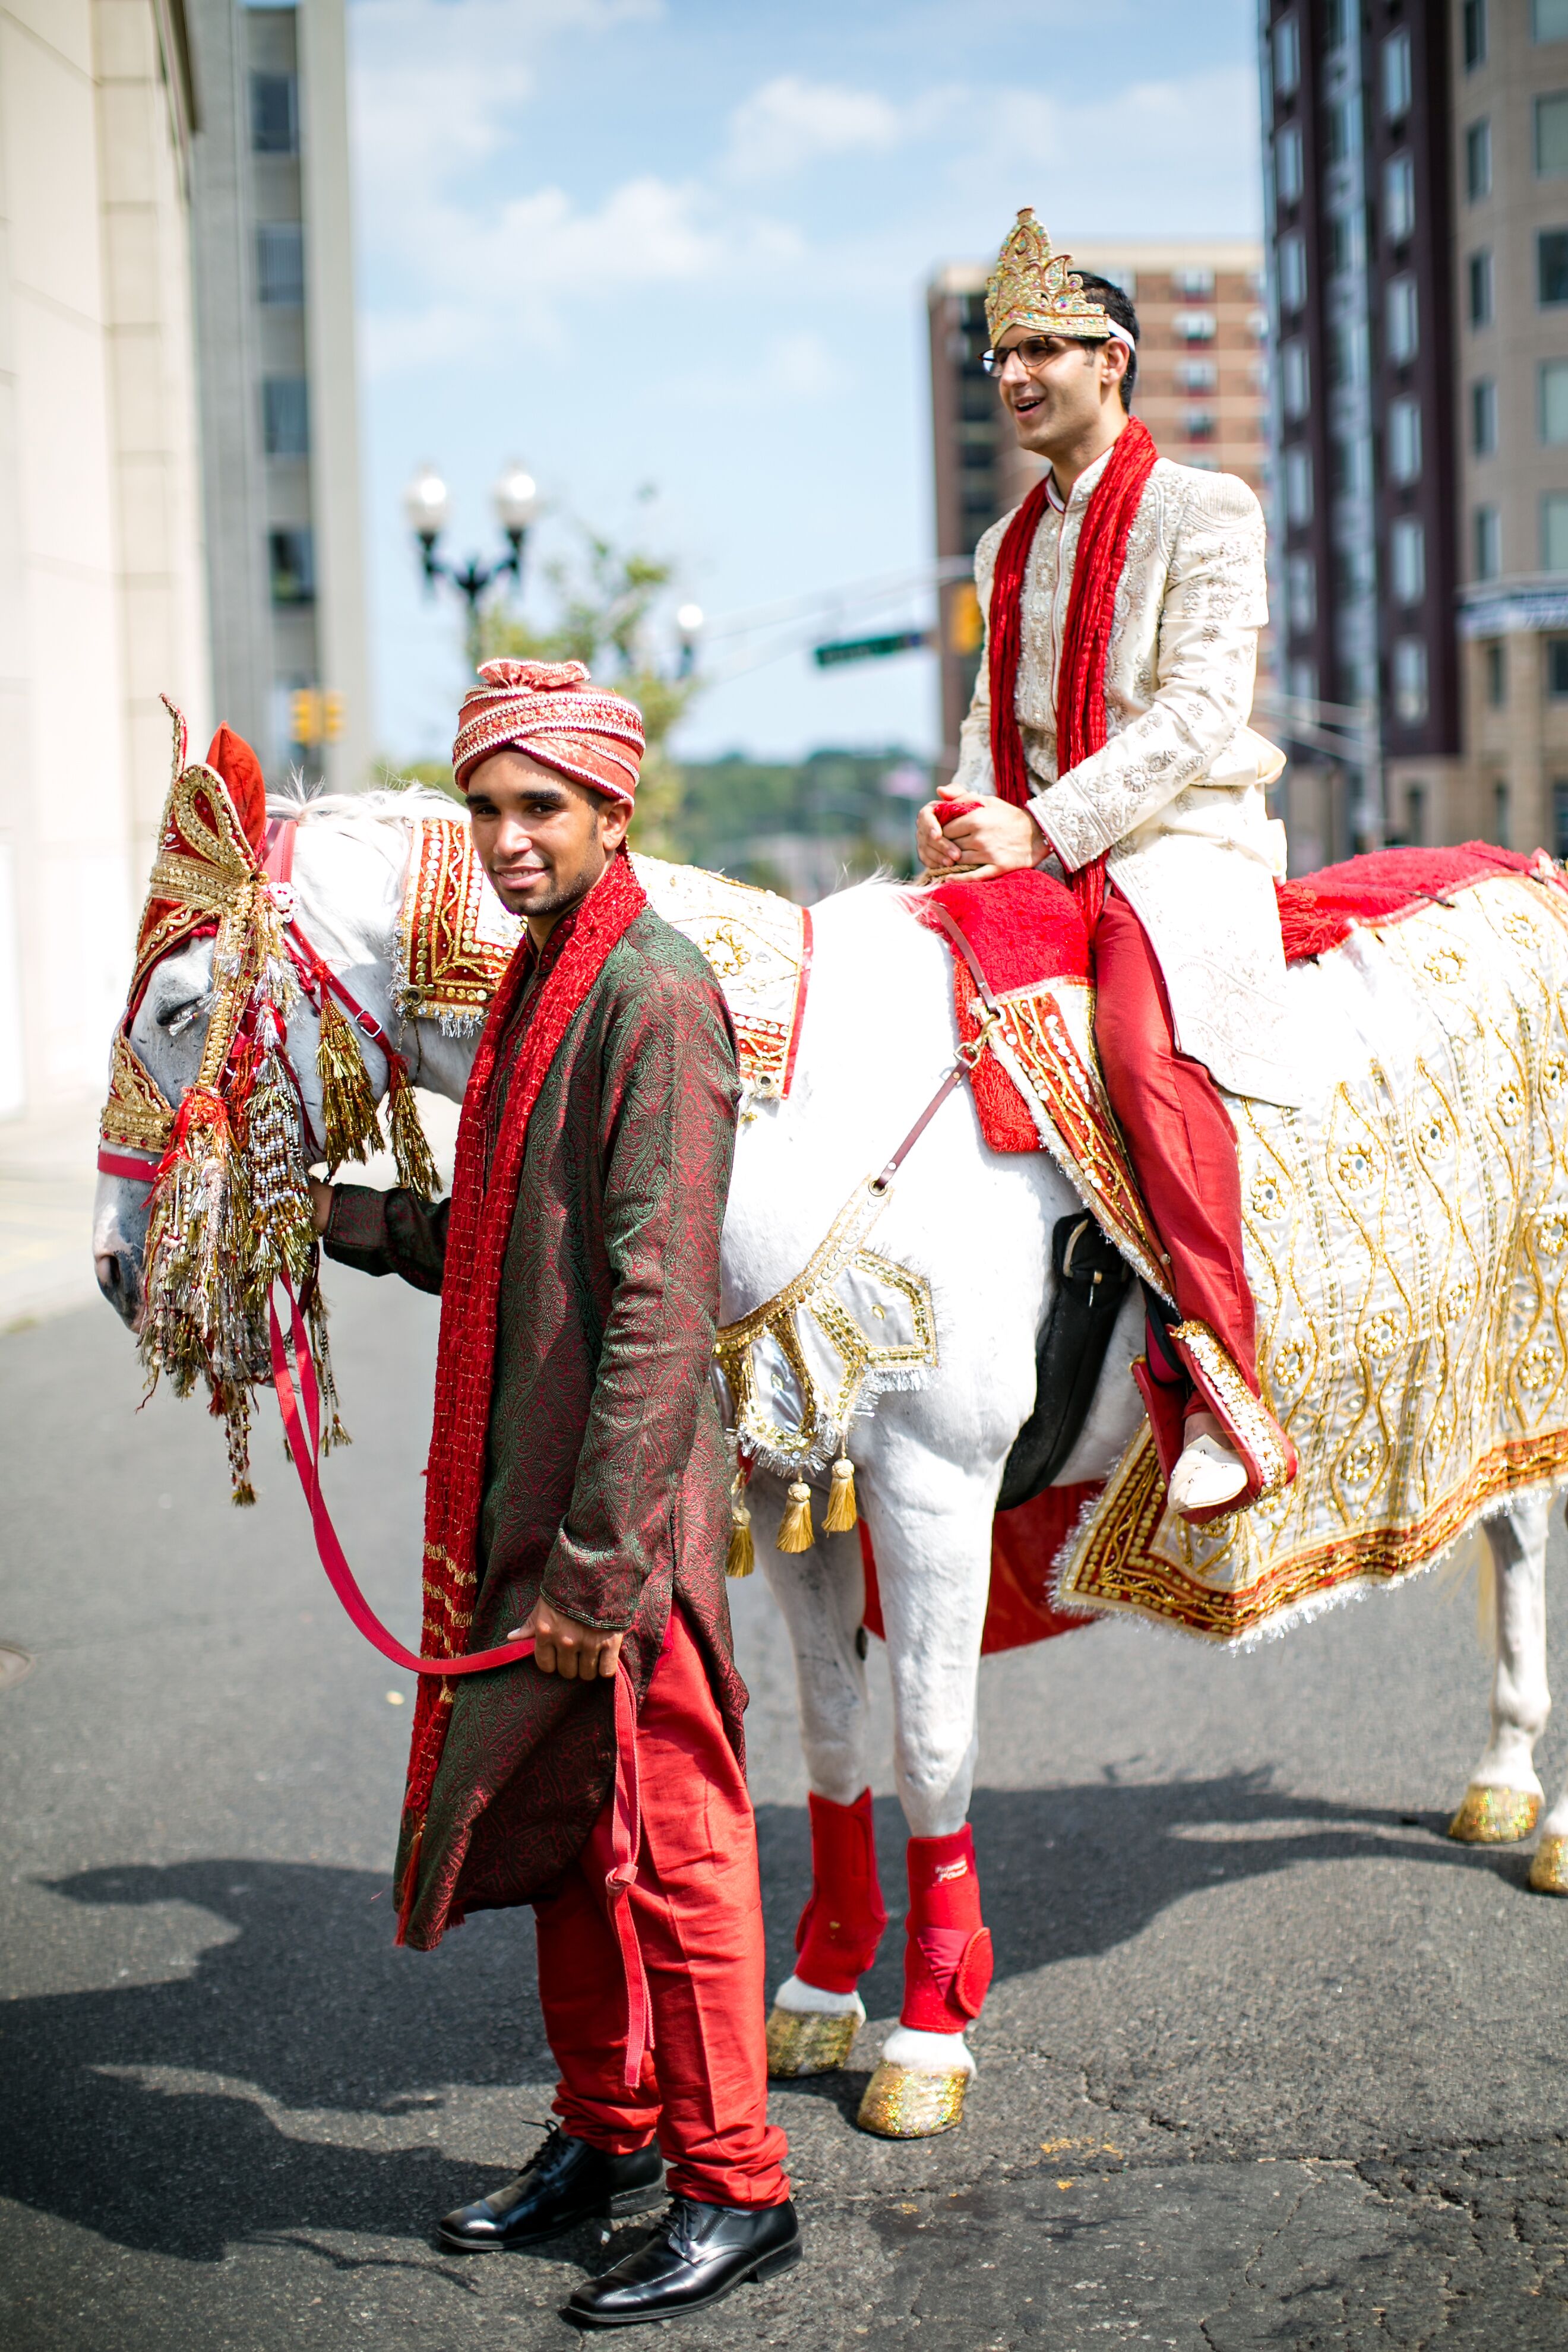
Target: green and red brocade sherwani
(606, 1482)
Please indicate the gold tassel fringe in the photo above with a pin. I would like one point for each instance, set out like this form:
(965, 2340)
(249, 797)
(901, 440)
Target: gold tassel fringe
(348, 1105)
(795, 1531)
(742, 1553)
(842, 1510)
(416, 1163)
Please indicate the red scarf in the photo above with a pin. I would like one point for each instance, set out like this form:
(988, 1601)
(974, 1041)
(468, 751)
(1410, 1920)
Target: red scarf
(478, 1233)
(1081, 679)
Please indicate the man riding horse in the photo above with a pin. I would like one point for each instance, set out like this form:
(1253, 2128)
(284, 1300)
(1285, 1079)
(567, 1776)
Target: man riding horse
(1107, 739)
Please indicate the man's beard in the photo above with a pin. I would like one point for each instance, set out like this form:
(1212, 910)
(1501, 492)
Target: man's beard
(562, 896)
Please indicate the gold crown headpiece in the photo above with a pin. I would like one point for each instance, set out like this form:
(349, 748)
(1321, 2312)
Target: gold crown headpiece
(1032, 287)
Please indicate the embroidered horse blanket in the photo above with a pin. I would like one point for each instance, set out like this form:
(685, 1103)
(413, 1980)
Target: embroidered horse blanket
(1407, 1228)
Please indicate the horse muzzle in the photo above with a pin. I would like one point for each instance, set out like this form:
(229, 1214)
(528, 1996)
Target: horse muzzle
(118, 1275)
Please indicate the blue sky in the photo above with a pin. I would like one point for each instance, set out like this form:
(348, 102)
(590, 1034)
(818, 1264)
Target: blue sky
(672, 254)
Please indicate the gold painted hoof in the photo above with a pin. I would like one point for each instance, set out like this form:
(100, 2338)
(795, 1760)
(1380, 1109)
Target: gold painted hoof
(902, 2103)
(1549, 1870)
(1494, 1816)
(806, 2042)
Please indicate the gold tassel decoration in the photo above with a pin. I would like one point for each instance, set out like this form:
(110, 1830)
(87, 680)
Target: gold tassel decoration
(742, 1553)
(842, 1510)
(796, 1532)
(348, 1105)
(415, 1164)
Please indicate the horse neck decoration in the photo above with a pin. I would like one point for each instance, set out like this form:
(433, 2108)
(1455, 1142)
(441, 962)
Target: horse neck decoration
(975, 1228)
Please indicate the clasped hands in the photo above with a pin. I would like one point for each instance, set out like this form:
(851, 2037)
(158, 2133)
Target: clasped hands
(993, 838)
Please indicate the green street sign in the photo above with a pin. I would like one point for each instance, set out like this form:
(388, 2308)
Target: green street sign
(855, 649)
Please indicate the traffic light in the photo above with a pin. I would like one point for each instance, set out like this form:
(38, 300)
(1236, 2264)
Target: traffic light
(304, 716)
(331, 717)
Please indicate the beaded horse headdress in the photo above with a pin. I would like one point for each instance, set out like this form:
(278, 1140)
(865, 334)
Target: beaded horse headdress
(1032, 287)
(230, 1207)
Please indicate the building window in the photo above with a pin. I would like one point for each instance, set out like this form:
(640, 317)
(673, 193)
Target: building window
(1287, 56)
(1551, 266)
(1404, 440)
(1480, 274)
(1559, 821)
(1293, 272)
(1553, 401)
(1557, 668)
(1192, 284)
(1483, 418)
(1488, 527)
(1295, 378)
(1411, 697)
(1549, 20)
(1288, 164)
(1478, 160)
(1415, 814)
(1407, 559)
(1404, 326)
(281, 263)
(1399, 198)
(291, 561)
(285, 417)
(1496, 656)
(1551, 136)
(1193, 326)
(1475, 30)
(1197, 376)
(1555, 532)
(274, 115)
(1500, 815)
(1301, 594)
(1297, 487)
(1202, 423)
(1302, 677)
(1343, 122)
(1396, 75)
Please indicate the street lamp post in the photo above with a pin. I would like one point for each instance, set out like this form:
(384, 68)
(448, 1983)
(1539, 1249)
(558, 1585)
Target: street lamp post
(426, 503)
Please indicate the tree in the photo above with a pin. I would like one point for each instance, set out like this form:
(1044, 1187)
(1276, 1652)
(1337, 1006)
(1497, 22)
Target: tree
(605, 601)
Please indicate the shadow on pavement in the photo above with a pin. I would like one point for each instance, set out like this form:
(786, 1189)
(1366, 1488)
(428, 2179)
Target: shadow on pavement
(308, 2007)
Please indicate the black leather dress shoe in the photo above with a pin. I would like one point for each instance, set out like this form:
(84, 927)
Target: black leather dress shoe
(563, 2182)
(698, 2255)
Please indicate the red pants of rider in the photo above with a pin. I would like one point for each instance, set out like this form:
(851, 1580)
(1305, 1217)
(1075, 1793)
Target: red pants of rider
(842, 1924)
(947, 1950)
(1179, 1134)
(698, 1909)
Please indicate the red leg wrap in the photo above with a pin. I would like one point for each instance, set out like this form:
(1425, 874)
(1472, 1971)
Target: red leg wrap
(947, 1950)
(842, 1924)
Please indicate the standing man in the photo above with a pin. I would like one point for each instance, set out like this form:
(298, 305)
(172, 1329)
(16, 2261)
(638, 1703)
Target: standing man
(578, 1491)
(1109, 731)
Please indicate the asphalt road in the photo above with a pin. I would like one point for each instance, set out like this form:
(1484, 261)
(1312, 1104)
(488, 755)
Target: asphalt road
(1268, 2063)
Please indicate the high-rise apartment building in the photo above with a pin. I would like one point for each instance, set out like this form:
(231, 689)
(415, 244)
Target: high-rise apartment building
(275, 319)
(1509, 165)
(1417, 190)
(1202, 391)
(1358, 199)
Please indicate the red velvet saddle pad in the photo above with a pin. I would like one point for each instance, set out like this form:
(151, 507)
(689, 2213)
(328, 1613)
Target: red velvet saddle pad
(1024, 1548)
(1318, 910)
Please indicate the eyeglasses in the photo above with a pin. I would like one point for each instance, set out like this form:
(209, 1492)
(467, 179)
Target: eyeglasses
(1032, 355)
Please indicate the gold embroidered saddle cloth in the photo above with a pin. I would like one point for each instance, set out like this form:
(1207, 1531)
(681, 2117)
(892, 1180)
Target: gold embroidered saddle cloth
(456, 939)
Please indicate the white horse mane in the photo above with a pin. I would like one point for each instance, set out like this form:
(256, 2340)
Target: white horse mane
(304, 804)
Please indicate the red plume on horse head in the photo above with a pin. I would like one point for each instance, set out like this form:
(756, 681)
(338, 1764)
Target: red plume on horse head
(231, 757)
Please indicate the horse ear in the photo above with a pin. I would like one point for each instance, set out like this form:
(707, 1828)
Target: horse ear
(240, 769)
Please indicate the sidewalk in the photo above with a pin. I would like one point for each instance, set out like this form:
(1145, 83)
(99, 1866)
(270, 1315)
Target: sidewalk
(48, 1178)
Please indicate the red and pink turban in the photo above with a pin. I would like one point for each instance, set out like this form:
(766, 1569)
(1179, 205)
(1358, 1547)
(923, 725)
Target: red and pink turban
(552, 711)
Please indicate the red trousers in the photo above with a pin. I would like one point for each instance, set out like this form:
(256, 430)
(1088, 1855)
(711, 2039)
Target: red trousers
(1179, 1133)
(698, 1909)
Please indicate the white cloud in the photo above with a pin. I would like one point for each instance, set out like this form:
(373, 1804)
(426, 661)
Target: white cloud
(789, 123)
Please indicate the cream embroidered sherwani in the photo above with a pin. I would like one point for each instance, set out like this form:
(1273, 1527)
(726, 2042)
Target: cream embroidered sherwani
(1175, 799)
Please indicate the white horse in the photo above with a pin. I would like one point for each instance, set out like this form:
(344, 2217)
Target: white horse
(877, 1034)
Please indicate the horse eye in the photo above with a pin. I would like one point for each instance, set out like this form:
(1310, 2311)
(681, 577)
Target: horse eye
(176, 1017)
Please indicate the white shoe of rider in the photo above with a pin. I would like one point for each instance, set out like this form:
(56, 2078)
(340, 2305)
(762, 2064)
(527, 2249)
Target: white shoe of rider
(1208, 1472)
